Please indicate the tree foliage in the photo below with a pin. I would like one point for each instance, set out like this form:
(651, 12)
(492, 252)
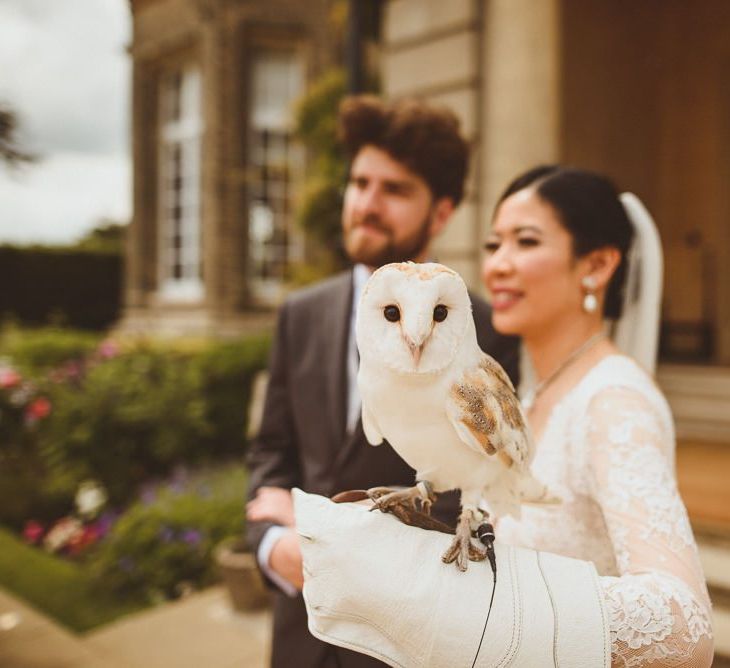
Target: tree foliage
(320, 202)
(108, 236)
(10, 151)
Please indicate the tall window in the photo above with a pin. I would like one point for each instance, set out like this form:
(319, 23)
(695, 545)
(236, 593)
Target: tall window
(277, 79)
(179, 214)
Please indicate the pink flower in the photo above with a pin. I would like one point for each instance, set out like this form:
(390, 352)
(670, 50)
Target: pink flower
(108, 349)
(38, 409)
(33, 532)
(9, 377)
(73, 370)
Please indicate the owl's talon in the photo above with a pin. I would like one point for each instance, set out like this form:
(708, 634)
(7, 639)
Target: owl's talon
(427, 496)
(462, 550)
(376, 492)
(387, 499)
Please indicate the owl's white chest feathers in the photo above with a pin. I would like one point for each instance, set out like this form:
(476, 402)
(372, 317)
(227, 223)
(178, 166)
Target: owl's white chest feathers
(410, 413)
(427, 388)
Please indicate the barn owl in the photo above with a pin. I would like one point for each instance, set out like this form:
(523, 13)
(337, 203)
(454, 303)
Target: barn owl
(447, 408)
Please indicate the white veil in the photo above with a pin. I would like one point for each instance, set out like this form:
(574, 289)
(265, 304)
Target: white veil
(636, 333)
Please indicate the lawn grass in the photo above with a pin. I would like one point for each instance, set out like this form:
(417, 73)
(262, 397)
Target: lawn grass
(58, 588)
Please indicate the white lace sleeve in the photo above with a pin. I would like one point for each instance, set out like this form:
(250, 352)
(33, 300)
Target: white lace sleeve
(658, 605)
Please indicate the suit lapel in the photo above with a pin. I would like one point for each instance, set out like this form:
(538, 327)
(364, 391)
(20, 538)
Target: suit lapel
(337, 327)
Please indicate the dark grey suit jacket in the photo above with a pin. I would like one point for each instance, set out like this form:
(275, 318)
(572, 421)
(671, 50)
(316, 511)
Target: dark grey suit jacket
(302, 441)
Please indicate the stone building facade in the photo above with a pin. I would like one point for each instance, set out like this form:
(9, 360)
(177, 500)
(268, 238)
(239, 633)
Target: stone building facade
(214, 164)
(634, 89)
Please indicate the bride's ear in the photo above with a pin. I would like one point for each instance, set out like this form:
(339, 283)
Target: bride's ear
(600, 265)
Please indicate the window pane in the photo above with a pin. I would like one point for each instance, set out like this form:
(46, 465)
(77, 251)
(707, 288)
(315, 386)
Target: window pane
(277, 79)
(180, 145)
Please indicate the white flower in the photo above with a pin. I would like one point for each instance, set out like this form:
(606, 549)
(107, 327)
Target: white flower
(90, 498)
(61, 534)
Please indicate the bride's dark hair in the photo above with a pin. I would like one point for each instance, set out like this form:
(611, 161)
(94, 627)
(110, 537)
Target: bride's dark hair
(589, 207)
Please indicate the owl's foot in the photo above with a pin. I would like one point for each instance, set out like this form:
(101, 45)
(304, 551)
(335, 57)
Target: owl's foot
(462, 550)
(387, 499)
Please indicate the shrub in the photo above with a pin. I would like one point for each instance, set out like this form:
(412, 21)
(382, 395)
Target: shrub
(163, 545)
(228, 371)
(136, 416)
(36, 351)
(23, 407)
(24, 493)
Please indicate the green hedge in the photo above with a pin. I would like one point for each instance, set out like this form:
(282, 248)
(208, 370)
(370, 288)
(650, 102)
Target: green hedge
(42, 285)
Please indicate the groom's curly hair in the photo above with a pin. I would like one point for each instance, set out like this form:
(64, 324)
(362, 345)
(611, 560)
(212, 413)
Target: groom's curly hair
(423, 137)
(590, 209)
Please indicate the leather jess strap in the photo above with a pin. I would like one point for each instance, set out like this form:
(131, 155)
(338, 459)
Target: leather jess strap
(409, 516)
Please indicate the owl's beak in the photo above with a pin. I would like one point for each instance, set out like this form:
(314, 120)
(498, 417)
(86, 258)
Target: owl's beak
(415, 347)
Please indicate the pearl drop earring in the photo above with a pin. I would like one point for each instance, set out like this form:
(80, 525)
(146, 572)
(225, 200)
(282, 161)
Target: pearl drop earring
(590, 302)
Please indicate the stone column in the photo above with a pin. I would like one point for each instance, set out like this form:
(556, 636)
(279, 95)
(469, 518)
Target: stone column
(140, 258)
(214, 265)
(520, 124)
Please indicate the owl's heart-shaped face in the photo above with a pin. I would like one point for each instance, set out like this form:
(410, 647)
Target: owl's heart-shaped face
(412, 318)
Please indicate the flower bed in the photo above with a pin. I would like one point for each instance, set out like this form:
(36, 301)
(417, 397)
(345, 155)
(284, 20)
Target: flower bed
(94, 454)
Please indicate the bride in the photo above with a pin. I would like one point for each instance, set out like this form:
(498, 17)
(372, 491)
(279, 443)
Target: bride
(556, 264)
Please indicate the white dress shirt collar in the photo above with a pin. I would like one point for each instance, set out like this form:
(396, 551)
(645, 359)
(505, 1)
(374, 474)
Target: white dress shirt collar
(360, 275)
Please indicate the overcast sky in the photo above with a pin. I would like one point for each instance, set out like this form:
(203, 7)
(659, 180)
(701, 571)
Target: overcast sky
(64, 69)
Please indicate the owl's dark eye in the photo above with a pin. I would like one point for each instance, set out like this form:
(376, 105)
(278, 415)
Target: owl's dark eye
(440, 313)
(391, 313)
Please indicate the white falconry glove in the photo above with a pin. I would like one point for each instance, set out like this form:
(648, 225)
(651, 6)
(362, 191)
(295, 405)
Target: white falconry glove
(377, 586)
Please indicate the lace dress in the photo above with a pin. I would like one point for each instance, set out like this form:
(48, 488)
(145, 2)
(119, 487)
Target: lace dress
(608, 451)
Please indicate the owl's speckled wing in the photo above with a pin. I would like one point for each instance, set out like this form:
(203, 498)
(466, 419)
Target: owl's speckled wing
(485, 412)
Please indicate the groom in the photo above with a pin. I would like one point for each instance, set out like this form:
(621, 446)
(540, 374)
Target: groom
(407, 171)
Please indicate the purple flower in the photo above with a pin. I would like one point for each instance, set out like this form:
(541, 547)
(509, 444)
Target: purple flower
(179, 479)
(105, 523)
(166, 534)
(192, 536)
(148, 494)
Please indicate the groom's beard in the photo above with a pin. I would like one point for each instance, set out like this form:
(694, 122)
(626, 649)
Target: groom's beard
(377, 254)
